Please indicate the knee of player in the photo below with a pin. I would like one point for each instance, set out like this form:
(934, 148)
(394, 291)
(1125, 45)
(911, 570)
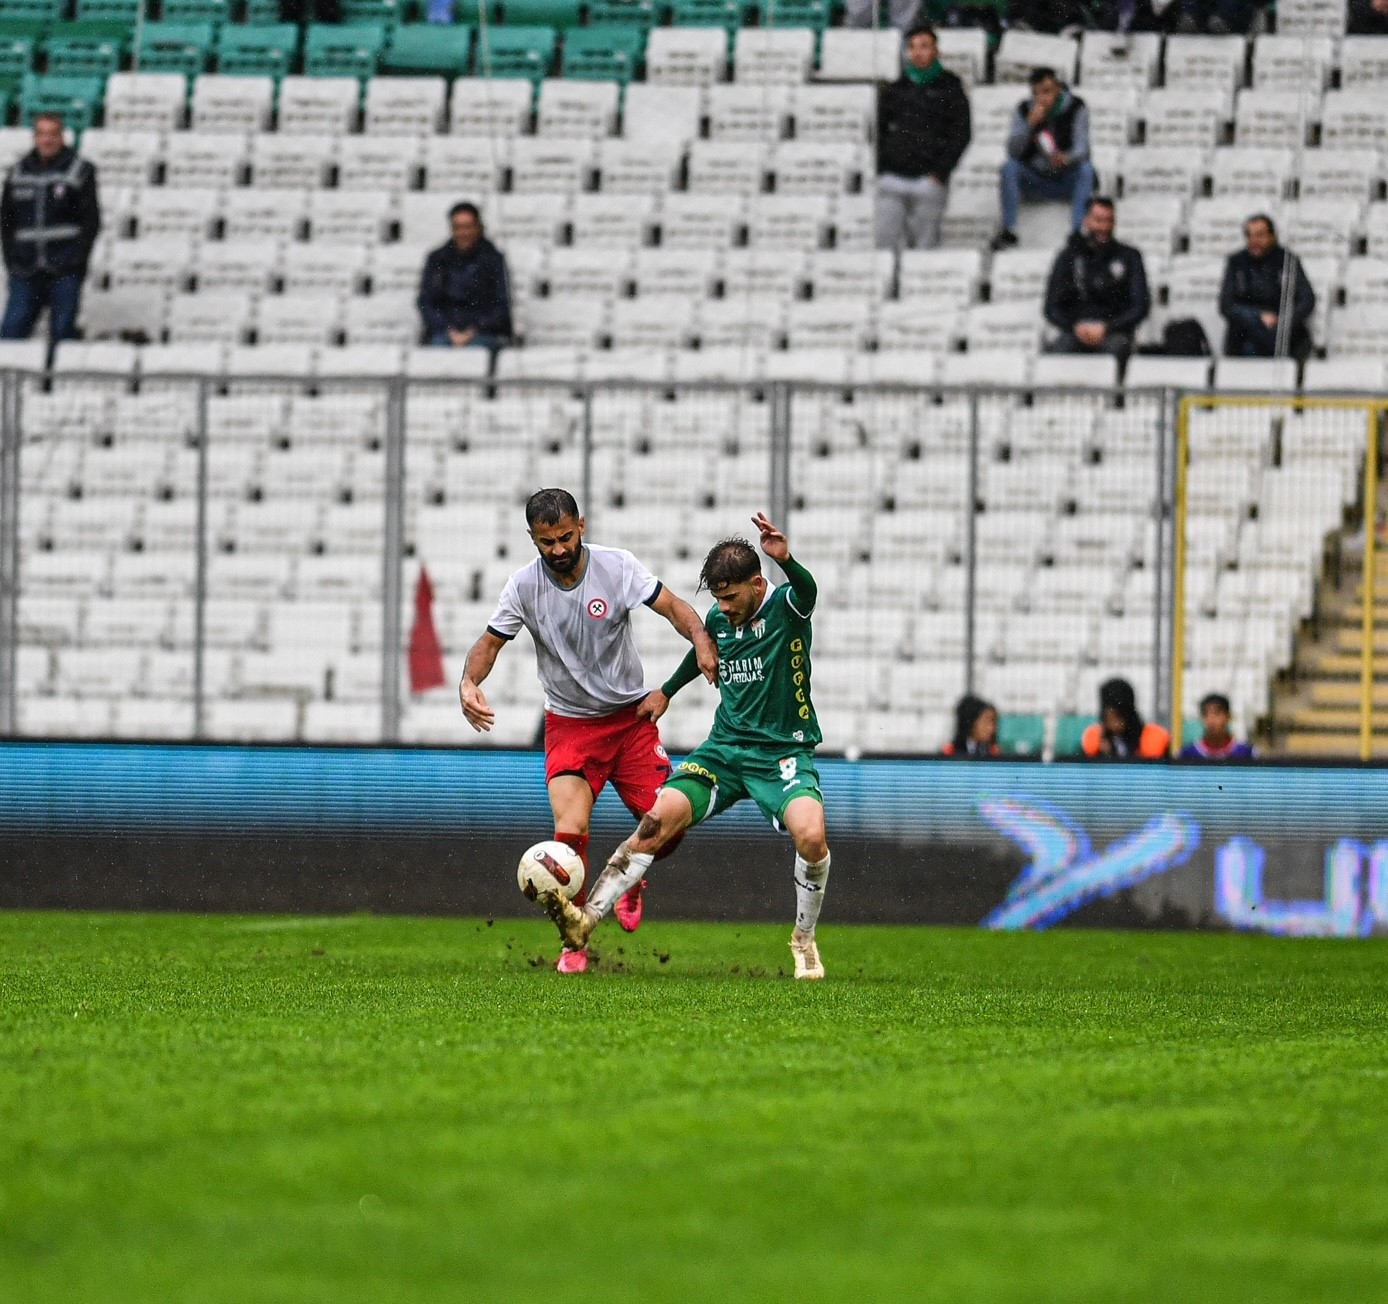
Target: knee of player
(813, 847)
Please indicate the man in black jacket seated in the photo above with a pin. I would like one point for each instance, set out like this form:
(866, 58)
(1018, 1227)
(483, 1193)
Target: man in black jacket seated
(923, 127)
(1250, 299)
(1097, 293)
(465, 293)
(49, 220)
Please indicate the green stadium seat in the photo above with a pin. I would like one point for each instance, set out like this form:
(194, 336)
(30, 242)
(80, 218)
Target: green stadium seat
(386, 12)
(793, 13)
(516, 52)
(706, 13)
(1069, 731)
(343, 50)
(263, 51)
(42, 12)
(126, 12)
(604, 53)
(9, 92)
(1191, 729)
(429, 48)
(17, 44)
(1021, 735)
(541, 13)
(86, 48)
(261, 13)
(622, 13)
(78, 99)
(177, 47)
(215, 12)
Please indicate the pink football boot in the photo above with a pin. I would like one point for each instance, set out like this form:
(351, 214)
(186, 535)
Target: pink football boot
(572, 961)
(628, 908)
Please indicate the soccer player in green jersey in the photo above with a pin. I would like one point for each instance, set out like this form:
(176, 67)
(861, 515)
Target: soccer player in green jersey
(761, 745)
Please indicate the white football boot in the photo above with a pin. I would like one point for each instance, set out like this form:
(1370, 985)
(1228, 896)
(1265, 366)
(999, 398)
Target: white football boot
(806, 953)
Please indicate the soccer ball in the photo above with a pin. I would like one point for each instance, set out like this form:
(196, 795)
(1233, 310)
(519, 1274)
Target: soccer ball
(550, 867)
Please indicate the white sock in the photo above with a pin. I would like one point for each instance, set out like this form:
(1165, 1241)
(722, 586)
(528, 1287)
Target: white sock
(622, 873)
(809, 891)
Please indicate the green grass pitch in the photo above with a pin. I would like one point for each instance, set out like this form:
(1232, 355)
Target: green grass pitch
(229, 1109)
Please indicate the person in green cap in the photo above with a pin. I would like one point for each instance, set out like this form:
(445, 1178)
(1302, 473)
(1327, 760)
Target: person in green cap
(923, 127)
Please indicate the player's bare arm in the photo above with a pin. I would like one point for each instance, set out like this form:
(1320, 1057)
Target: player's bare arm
(480, 661)
(657, 701)
(687, 623)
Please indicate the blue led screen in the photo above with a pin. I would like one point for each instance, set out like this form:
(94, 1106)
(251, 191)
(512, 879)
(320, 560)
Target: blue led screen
(1295, 850)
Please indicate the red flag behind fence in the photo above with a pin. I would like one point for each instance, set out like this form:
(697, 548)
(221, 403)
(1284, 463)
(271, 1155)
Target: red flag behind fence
(426, 652)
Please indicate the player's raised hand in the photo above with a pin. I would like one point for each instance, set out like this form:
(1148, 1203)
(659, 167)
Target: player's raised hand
(773, 543)
(652, 706)
(476, 709)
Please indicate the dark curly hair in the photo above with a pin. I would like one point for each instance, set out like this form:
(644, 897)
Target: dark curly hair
(729, 561)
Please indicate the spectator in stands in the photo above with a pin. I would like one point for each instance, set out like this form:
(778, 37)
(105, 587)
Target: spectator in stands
(923, 127)
(1217, 743)
(1368, 18)
(901, 14)
(975, 729)
(1251, 300)
(1217, 17)
(465, 293)
(49, 219)
(1097, 292)
(1048, 154)
(1121, 734)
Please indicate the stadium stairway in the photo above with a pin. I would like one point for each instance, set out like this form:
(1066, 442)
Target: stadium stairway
(1319, 713)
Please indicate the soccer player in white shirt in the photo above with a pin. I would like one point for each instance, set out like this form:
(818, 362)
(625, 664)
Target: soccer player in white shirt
(576, 600)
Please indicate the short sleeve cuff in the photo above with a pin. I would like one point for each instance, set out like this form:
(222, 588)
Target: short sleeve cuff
(492, 629)
(655, 593)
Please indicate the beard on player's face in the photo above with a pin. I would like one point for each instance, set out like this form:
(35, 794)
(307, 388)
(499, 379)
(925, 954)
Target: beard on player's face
(560, 545)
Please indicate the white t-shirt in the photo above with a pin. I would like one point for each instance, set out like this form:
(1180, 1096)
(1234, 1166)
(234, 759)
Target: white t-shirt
(584, 648)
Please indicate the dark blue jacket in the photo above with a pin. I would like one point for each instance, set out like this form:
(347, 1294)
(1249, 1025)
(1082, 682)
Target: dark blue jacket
(466, 291)
(49, 215)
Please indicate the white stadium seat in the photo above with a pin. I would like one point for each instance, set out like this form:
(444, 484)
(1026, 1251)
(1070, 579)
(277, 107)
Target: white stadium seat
(309, 105)
(144, 101)
(686, 56)
(405, 106)
(231, 104)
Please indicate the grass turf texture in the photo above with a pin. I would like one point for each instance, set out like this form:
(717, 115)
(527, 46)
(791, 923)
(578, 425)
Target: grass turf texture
(390, 1109)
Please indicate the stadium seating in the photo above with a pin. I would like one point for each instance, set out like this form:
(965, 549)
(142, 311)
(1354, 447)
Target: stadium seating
(710, 223)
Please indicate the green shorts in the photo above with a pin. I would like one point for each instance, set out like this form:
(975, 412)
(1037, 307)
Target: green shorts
(718, 775)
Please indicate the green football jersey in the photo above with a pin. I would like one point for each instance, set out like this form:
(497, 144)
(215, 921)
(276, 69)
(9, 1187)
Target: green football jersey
(764, 677)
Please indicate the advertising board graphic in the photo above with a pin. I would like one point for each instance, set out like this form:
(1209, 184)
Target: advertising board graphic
(1300, 851)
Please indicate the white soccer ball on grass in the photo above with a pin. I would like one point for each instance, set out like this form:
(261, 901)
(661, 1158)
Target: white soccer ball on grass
(550, 867)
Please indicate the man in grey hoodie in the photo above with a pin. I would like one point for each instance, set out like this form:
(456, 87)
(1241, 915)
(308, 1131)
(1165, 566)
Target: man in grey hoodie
(1047, 154)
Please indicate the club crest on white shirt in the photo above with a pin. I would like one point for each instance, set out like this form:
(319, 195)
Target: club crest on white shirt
(597, 608)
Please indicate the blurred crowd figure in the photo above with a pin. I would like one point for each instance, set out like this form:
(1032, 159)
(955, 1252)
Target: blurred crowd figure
(1265, 297)
(1047, 154)
(975, 730)
(1121, 734)
(465, 291)
(923, 127)
(1097, 294)
(1216, 17)
(1216, 742)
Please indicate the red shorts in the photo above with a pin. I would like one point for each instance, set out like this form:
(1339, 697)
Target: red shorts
(617, 747)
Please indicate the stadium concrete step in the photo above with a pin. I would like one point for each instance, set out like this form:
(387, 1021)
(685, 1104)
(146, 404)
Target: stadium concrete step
(1349, 638)
(1346, 665)
(1308, 742)
(1346, 693)
(1342, 720)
